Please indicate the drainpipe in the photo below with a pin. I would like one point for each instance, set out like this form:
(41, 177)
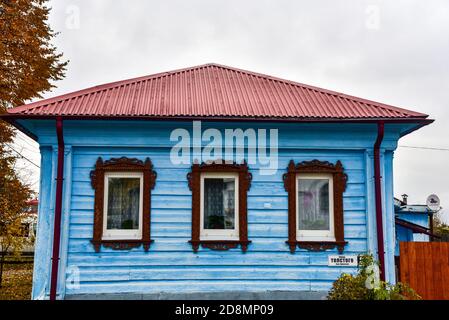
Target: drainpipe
(58, 209)
(431, 226)
(378, 196)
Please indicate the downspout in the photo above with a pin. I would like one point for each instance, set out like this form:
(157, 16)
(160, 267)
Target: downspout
(431, 227)
(378, 196)
(58, 211)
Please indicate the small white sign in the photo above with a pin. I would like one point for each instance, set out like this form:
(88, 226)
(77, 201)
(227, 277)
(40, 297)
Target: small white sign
(343, 261)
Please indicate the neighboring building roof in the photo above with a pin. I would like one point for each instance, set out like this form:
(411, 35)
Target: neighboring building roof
(212, 91)
(401, 207)
(33, 202)
(414, 208)
(398, 202)
(416, 228)
(31, 208)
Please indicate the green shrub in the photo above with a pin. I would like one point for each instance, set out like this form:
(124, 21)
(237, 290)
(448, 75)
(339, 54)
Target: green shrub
(365, 285)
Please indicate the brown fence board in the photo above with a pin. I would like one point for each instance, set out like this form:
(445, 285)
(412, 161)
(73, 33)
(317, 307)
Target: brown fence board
(437, 272)
(425, 267)
(444, 259)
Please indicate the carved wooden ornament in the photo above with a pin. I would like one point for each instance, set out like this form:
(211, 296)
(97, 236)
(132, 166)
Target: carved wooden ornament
(97, 180)
(339, 182)
(194, 180)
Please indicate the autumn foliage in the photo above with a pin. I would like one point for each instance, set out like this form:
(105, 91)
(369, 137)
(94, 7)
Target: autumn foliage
(28, 61)
(29, 65)
(13, 197)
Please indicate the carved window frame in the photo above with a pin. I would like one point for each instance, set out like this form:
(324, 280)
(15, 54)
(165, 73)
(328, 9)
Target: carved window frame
(244, 183)
(97, 176)
(339, 186)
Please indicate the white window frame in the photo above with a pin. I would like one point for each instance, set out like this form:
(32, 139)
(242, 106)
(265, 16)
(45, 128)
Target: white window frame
(117, 234)
(316, 235)
(223, 234)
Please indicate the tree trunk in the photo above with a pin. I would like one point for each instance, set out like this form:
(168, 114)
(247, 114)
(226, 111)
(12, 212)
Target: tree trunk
(2, 260)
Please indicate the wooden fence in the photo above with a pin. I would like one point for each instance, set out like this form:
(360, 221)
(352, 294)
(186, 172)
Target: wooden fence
(425, 267)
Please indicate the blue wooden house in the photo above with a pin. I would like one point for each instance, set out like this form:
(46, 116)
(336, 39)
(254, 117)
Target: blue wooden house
(211, 182)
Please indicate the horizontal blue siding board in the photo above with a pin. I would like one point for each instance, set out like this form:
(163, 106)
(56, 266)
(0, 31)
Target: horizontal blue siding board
(176, 175)
(291, 135)
(188, 286)
(94, 274)
(204, 257)
(159, 158)
(320, 285)
(180, 244)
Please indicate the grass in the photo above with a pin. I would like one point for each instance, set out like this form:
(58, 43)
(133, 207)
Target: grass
(17, 279)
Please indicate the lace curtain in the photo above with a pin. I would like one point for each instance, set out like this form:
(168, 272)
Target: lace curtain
(313, 204)
(219, 199)
(123, 203)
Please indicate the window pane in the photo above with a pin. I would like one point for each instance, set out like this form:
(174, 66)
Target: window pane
(313, 204)
(219, 200)
(123, 203)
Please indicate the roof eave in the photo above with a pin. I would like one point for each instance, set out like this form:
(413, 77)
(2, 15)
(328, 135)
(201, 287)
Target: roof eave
(16, 116)
(12, 121)
(13, 117)
(416, 228)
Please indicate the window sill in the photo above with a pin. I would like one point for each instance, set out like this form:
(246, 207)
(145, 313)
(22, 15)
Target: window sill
(121, 244)
(317, 245)
(219, 244)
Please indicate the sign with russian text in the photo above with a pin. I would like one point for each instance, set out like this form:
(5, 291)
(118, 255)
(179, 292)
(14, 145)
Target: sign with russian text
(351, 261)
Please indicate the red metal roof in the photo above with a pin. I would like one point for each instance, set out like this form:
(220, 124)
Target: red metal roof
(212, 90)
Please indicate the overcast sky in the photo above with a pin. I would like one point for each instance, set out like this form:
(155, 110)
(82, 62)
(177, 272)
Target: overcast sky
(394, 52)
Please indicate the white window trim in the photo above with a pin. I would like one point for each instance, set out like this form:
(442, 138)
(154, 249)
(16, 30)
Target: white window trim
(316, 235)
(213, 234)
(117, 234)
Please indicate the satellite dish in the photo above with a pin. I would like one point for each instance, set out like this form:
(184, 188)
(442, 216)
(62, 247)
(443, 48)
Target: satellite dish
(433, 202)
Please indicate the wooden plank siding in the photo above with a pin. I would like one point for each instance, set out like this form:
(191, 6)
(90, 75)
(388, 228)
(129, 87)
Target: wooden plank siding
(170, 265)
(425, 267)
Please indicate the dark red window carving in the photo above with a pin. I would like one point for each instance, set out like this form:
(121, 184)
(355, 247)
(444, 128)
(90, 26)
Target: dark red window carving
(128, 202)
(213, 198)
(338, 179)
